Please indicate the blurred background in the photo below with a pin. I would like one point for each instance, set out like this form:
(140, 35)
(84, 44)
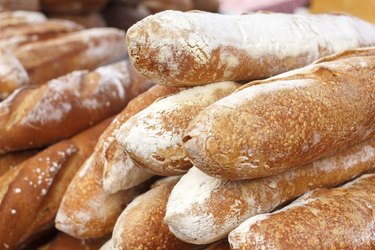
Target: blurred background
(123, 13)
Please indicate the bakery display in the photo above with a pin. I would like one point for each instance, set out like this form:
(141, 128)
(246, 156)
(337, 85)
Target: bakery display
(195, 48)
(341, 218)
(264, 123)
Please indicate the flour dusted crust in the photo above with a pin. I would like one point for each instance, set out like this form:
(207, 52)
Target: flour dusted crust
(267, 127)
(202, 209)
(86, 49)
(194, 48)
(30, 193)
(337, 218)
(11, 19)
(119, 171)
(153, 137)
(141, 225)
(37, 116)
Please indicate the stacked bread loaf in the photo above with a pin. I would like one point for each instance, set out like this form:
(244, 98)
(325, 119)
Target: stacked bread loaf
(197, 161)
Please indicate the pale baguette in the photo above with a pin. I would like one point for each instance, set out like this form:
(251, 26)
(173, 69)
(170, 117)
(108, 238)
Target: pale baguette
(30, 193)
(11, 19)
(337, 218)
(153, 137)
(119, 171)
(37, 116)
(86, 49)
(141, 225)
(195, 48)
(267, 127)
(203, 209)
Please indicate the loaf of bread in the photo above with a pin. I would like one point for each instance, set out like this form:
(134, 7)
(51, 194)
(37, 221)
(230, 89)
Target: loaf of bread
(338, 218)
(267, 127)
(87, 49)
(31, 192)
(203, 209)
(195, 48)
(10, 19)
(24, 34)
(72, 7)
(29, 5)
(119, 171)
(141, 225)
(86, 211)
(10, 161)
(65, 242)
(220, 245)
(12, 74)
(37, 116)
(153, 137)
(93, 20)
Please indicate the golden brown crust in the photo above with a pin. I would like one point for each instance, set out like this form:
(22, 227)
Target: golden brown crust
(9, 161)
(287, 121)
(338, 218)
(37, 116)
(141, 225)
(72, 7)
(220, 245)
(64, 242)
(87, 49)
(88, 21)
(33, 195)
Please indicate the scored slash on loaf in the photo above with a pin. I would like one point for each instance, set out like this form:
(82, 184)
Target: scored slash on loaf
(267, 127)
(195, 48)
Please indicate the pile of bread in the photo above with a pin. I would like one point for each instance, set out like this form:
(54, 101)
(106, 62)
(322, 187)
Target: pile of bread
(235, 150)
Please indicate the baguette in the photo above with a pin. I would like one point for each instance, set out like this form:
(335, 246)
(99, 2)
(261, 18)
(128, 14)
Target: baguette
(11, 19)
(10, 161)
(203, 209)
(12, 74)
(119, 172)
(88, 21)
(220, 245)
(195, 48)
(87, 49)
(153, 137)
(28, 33)
(65, 242)
(30, 194)
(86, 211)
(267, 127)
(141, 226)
(38, 116)
(338, 218)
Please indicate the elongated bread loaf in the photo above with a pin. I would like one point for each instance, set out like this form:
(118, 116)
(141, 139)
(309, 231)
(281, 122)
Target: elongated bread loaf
(10, 161)
(153, 137)
(86, 211)
(203, 209)
(119, 171)
(65, 242)
(11, 19)
(30, 193)
(12, 74)
(267, 127)
(141, 226)
(195, 48)
(38, 116)
(21, 35)
(338, 218)
(87, 49)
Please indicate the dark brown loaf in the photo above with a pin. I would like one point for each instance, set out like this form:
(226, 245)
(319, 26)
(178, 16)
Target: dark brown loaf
(87, 49)
(267, 127)
(338, 218)
(30, 194)
(38, 116)
(202, 209)
(194, 48)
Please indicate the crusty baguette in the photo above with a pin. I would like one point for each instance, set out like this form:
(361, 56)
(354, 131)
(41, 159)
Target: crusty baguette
(10, 19)
(195, 48)
(9, 161)
(119, 171)
(21, 35)
(86, 211)
(38, 116)
(337, 218)
(77, 7)
(267, 127)
(30, 194)
(86, 49)
(153, 137)
(65, 242)
(141, 225)
(12, 75)
(203, 209)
